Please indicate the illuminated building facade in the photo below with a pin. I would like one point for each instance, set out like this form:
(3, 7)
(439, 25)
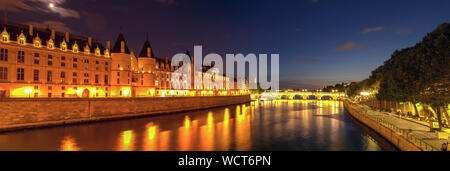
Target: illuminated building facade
(43, 63)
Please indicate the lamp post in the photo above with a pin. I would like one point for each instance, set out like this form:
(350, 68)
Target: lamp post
(29, 92)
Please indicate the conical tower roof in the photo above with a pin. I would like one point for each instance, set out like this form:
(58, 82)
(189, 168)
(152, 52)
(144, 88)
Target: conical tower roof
(117, 46)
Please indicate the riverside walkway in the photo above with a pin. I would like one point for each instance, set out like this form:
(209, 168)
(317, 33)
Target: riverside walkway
(415, 132)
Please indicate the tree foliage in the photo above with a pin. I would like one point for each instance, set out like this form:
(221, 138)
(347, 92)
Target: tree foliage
(417, 74)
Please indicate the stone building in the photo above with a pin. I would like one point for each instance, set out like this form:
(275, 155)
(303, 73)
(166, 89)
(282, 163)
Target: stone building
(41, 62)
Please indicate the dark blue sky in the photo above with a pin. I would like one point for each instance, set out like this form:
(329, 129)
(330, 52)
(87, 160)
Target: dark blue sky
(320, 42)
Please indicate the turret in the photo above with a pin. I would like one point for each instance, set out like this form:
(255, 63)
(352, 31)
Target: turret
(146, 51)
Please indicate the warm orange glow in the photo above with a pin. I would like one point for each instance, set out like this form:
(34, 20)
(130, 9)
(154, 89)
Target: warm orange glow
(207, 134)
(23, 92)
(50, 44)
(226, 130)
(107, 53)
(126, 91)
(184, 134)
(22, 40)
(69, 144)
(242, 129)
(126, 141)
(64, 46)
(164, 142)
(150, 139)
(5, 36)
(187, 122)
(210, 119)
(75, 48)
(87, 51)
(97, 52)
(37, 42)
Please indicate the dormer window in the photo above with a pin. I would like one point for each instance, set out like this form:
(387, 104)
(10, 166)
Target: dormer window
(87, 50)
(22, 39)
(97, 52)
(64, 46)
(50, 44)
(37, 43)
(75, 48)
(107, 53)
(5, 36)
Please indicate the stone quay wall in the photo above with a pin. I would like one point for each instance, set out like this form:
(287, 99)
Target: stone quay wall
(18, 114)
(396, 139)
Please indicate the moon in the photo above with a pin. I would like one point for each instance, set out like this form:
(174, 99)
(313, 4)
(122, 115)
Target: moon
(51, 5)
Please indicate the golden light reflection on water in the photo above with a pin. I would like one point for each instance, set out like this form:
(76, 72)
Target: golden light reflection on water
(184, 135)
(126, 141)
(207, 134)
(225, 130)
(69, 144)
(150, 139)
(243, 130)
(231, 129)
(164, 144)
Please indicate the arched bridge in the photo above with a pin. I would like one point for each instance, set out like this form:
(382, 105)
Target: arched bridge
(302, 96)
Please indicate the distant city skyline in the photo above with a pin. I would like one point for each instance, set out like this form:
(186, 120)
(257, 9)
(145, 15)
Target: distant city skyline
(320, 42)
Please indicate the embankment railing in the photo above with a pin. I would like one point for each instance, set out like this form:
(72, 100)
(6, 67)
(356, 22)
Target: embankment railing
(406, 133)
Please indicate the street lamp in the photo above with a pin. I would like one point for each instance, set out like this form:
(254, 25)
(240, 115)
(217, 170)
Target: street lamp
(365, 94)
(28, 90)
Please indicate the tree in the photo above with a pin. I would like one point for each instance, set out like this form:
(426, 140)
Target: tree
(434, 54)
(420, 73)
(417, 74)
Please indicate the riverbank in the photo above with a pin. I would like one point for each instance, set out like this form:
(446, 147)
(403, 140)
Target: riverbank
(405, 135)
(18, 114)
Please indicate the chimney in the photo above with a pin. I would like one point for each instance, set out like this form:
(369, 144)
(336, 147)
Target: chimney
(122, 46)
(5, 19)
(30, 28)
(90, 41)
(53, 34)
(149, 54)
(67, 36)
(108, 44)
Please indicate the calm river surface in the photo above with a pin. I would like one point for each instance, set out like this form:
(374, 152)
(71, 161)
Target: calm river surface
(277, 125)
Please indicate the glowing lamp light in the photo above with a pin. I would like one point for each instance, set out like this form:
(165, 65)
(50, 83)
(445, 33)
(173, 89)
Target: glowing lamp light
(28, 91)
(364, 93)
(126, 92)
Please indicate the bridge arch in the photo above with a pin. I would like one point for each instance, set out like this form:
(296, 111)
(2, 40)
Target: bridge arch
(298, 97)
(327, 98)
(311, 97)
(86, 93)
(284, 97)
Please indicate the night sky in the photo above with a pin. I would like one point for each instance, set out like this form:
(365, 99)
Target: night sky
(320, 42)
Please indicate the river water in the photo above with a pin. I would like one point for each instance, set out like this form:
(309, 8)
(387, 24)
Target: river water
(269, 126)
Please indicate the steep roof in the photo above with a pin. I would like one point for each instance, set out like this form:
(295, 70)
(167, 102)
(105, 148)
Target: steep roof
(144, 52)
(117, 45)
(15, 29)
